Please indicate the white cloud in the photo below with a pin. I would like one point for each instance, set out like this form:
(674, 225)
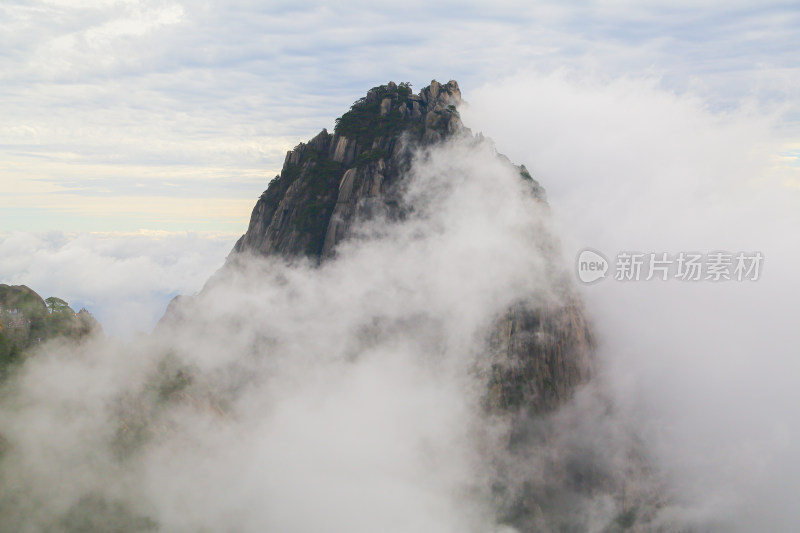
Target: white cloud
(344, 397)
(343, 379)
(705, 370)
(125, 280)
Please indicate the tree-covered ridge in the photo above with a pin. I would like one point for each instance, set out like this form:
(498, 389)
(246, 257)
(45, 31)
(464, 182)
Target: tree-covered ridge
(27, 320)
(389, 110)
(364, 122)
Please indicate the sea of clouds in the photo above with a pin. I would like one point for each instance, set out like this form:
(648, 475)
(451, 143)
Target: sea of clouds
(345, 397)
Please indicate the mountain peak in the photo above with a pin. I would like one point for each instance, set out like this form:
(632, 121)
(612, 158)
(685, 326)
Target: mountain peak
(353, 173)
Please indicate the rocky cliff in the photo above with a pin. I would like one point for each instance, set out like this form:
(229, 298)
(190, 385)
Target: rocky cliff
(539, 354)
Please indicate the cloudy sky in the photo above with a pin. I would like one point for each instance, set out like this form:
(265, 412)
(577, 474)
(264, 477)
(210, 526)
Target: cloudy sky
(159, 115)
(155, 118)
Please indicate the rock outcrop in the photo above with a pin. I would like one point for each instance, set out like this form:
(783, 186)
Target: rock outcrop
(27, 320)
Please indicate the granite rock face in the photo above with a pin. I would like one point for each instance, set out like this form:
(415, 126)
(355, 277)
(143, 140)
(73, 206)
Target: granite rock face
(538, 357)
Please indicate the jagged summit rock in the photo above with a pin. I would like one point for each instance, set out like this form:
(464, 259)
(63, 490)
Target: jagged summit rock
(334, 179)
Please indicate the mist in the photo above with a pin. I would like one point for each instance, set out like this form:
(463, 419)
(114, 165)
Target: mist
(705, 371)
(347, 396)
(344, 397)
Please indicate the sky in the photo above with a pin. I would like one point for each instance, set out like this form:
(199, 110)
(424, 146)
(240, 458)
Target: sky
(142, 119)
(130, 115)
